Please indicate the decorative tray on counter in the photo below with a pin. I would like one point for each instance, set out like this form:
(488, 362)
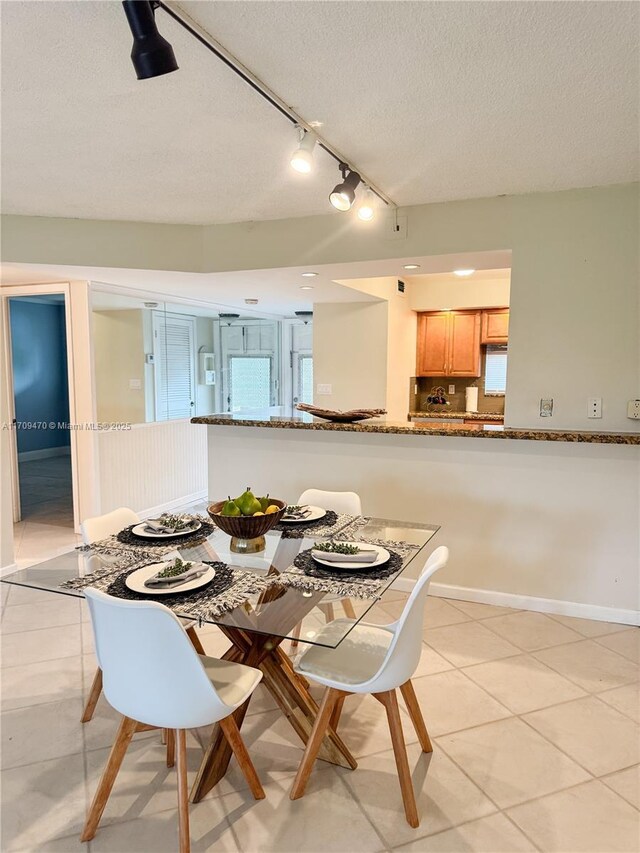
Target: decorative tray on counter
(349, 417)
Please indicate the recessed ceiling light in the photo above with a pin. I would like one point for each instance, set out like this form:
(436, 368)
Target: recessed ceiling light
(463, 273)
(309, 274)
(251, 301)
(411, 266)
(306, 287)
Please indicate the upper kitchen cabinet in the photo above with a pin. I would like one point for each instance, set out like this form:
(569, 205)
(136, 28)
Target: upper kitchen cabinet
(449, 343)
(495, 326)
(433, 344)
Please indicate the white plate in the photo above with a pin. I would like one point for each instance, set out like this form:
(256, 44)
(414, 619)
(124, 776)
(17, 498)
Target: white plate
(315, 514)
(139, 530)
(136, 580)
(383, 557)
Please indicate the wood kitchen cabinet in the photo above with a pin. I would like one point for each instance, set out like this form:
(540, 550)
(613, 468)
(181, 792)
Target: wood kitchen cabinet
(449, 343)
(495, 326)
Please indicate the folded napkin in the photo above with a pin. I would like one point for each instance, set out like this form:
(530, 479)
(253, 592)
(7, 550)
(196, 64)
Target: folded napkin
(364, 556)
(177, 580)
(154, 525)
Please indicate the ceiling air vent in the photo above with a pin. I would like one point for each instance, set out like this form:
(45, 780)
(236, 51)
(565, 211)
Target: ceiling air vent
(400, 286)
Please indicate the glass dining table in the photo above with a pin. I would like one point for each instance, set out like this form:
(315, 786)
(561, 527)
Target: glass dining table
(277, 594)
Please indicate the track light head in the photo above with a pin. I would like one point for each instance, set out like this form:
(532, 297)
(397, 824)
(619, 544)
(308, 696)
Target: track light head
(343, 195)
(367, 207)
(302, 157)
(151, 54)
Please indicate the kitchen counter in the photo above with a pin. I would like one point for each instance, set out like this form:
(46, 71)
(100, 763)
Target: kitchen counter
(375, 425)
(467, 416)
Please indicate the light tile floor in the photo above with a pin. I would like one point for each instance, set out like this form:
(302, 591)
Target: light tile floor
(534, 720)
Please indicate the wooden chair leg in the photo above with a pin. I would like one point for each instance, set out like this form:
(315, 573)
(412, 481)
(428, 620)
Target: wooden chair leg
(390, 701)
(337, 711)
(183, 791)
(320, 727)
(195, 640)
(232, 733)
(328, 611)
(347, 606)
(411, 701)
(296, 635)
(171, 747)
(118, 750)
(94, 695)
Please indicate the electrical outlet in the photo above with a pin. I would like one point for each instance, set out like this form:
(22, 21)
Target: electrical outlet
(633, 410)
(323, 389)
(546, 407)
(594, 407)
(135, 384)
(452, 389)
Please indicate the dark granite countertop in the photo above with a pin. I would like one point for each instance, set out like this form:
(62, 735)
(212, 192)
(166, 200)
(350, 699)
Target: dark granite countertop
(467, 416)
(411, 428)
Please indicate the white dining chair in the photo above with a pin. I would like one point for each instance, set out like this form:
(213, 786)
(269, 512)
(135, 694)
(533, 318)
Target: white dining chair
(372, 659)
(153, 677)
(93, 530)
(348, 503)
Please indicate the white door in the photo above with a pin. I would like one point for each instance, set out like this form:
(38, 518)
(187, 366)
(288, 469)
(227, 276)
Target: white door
(301, 361)
(174, 361)
(250, 381)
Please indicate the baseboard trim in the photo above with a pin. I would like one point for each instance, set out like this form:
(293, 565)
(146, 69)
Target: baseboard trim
(528, 602)
(169, 505)
(44, 453)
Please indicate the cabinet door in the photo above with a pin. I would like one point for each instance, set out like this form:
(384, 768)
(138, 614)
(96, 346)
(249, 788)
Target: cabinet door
(464, 343)
(495, 326)
(433, 344)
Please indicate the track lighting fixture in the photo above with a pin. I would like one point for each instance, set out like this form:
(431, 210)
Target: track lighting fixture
(302, 157)
(343, 195)
(151, 54)
(367, 207)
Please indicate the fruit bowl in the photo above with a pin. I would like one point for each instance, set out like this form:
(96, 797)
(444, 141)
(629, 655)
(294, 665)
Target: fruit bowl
(245, 527)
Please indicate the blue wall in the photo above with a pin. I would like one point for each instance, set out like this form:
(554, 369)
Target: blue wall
(39, 352)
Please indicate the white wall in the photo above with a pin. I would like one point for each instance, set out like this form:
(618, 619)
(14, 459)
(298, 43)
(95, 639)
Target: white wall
(119, 357)
(350, 354)
(438, 293)
(399, 338)
(553, 522)
(574, 287)
(6, 508)
(152, 466)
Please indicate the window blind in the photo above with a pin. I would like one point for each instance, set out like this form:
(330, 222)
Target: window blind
(174, 367)
(495, 376)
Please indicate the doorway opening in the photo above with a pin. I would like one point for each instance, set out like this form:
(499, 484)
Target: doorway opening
(43, 487)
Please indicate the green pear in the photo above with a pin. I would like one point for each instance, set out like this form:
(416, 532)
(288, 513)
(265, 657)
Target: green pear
(230, 508)
(248, 503)
(264, 503)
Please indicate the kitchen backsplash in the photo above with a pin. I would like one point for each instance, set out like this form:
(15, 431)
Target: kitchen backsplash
(418, 402)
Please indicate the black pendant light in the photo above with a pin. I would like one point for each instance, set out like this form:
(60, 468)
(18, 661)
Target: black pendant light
(343, 195)
(151, 54)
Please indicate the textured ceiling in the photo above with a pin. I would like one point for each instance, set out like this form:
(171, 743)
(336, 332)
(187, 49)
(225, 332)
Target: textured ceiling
(434, 100)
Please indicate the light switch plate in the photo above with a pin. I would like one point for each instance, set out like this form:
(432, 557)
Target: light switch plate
(452, 389)
(135, 384)
(633, 410)
(323, 389)
(546, 407)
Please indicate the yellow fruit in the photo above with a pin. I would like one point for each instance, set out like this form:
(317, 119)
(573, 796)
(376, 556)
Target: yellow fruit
(258, 513)
(271, 509)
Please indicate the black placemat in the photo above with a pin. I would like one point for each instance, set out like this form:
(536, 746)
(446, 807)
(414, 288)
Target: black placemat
(298, 529)
(223, 579)
(308, 565)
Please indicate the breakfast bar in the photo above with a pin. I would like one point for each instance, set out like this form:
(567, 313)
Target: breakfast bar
(531, 516)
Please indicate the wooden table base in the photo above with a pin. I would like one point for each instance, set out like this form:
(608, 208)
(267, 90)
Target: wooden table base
(291, 695)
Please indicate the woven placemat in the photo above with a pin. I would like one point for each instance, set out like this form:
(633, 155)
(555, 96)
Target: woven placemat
(306, 574)
(329, 525)
(125, 539)
(229, 589)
